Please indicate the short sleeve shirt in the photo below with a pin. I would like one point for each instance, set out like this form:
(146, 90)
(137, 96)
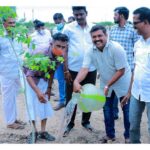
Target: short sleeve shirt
(112, 58)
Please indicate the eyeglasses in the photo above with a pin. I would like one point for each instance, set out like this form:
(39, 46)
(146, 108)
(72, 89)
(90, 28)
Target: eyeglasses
(135, 23)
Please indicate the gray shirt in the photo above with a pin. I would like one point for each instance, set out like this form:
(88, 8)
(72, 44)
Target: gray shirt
(107, 63)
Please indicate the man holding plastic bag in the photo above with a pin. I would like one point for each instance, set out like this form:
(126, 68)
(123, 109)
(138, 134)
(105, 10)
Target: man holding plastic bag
(111, 62)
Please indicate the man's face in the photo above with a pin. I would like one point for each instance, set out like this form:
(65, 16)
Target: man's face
(10, 22)
(58, 21)
(58, 47)
(99, 39)
(116, 17)
(80, 16)
(41, 30)
(138, 24)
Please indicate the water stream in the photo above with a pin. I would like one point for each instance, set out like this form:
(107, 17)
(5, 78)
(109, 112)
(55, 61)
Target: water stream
(68, 112)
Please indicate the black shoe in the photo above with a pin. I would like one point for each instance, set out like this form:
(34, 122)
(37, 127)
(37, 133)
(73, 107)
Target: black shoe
(88, 127)
(67, 130)
(46, 136)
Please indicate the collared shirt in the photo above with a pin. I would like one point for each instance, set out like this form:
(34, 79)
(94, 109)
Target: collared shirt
(141, 82)
(127, 37)
(9, 65)
(41, 42)
(79, 42)
(112, 58)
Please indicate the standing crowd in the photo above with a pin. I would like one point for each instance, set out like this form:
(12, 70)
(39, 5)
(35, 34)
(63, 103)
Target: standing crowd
(121, 57)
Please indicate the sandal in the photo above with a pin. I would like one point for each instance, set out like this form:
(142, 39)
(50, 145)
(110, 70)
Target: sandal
(20, 122)
(31, 139)
(46, 136)
(107, 139)
(15, 126)
(88, 127)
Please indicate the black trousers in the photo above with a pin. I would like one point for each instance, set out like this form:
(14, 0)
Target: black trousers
(90, 78)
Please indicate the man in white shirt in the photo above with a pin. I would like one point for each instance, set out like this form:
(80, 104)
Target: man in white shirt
(79, 43)
(10, 75)
(141, 77)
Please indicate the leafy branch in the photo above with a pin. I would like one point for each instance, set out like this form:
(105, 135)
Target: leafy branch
(41, 63)
(6, 12)
(38, 62)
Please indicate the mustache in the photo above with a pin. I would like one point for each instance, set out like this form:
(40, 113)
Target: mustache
(79, 19)
(97, 41)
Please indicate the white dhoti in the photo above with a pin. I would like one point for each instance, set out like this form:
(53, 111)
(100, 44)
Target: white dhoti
(9, 88)
(36, 108)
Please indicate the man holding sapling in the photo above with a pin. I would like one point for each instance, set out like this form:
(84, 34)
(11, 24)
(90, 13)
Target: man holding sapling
(40, 81)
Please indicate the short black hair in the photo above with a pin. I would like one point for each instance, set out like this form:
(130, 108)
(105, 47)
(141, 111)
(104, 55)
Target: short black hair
(37, 23)
(74, 8)
(123, 11)
(58, 16)
(60, 37)
(98, 27)
(144, 13)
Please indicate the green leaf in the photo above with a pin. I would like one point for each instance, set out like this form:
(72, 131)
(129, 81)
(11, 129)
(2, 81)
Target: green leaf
(6, 12)
(27, 55)
(47, 75)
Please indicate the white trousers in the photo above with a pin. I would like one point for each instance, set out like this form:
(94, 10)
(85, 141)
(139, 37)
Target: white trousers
(9, 88)
(36, 108)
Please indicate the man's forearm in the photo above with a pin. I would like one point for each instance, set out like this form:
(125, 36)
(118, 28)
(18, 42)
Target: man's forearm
(32, 84)
(50, 81)
(131, 82)
(116, 77)
(65, 61)
(82, 74)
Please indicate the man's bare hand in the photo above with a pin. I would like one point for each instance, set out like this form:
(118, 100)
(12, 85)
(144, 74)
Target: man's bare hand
(125, 99)
(41, 97)
(106, 89)
(77, 87)
(68, 77)
(48, 92)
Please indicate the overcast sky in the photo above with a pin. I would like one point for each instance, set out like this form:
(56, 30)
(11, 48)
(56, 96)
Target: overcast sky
(98, 10)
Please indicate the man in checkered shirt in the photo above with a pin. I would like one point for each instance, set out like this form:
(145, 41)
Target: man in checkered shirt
(124, 33)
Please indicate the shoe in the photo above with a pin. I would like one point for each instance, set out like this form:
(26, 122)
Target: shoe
(88, 127)
(15, 126)
(20, 122)
(59, 106)
(107, 139)
(46, 136)
(67, 130)
(127, 141)
(32, 138)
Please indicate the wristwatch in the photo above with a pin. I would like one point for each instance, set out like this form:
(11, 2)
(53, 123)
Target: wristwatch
(106, 87)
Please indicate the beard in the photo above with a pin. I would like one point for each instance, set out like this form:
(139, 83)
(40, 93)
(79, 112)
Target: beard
(116, 21)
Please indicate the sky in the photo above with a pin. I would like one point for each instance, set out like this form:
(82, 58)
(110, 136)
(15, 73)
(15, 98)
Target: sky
(98, 10)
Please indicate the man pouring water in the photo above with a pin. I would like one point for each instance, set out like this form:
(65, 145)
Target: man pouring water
(111, 62)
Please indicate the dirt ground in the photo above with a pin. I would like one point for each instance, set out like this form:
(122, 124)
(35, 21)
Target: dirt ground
(77, 135)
